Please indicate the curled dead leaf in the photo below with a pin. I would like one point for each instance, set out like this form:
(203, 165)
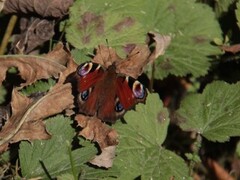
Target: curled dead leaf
(232, 49)
(65, 75)
(94, 129)
(107, 138)
(28, 113)
(44, 8)
(34, 32)
(39, 27)
(30, 131)
(131, 66)
(59, 54)
(105, 159)
(220, 172)
(138, 56)
(32, 68)
(161, 44)
(136, 60)
(105, 56)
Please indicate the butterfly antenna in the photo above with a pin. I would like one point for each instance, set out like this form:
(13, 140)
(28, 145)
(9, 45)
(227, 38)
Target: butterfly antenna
(109, 52)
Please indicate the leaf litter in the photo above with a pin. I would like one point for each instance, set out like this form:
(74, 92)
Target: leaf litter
(26, 121)
(39, 27)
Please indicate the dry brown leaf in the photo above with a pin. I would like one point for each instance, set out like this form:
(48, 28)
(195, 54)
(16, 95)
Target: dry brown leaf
(71, 68)
(31, 130)
(107, 138)
(44, 8)
(236, 167)
(232, 49)
(138, 56)
(27, 114)
(35, 29)
(26, 121)
(94, 129)
(132, 66)
(161, 44)
(105, 159)
(59, 54)
(3, 148)
(196, 177)
(34, 32)
(31, 68)
(105, 56)
(1, 5)
(135, 62)
(220, 172)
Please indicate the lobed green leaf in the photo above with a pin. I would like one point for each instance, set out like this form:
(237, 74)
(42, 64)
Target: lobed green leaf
(193, 27)
(215, 113)
(139, 153)
(93, 22)
(44, 158)
(237, 12)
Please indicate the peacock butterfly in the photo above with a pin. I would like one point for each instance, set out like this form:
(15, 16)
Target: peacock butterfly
(106, 94)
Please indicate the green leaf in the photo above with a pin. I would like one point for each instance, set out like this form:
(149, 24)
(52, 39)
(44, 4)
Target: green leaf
(98, 173)
(93, 22)
(66, 177)
(39, 86)
(81, 55)
(237, 11)
(192, 26)
(215, 113)
(54, 156)
(238, 149)
(222, 6)
(139, 152)
(193, 157)
(3, 93)
(5, 157)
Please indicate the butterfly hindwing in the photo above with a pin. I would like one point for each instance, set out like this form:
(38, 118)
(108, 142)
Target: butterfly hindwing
(130, 92)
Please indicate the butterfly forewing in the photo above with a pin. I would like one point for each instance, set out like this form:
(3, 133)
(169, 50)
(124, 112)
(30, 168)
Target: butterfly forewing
(89, 73)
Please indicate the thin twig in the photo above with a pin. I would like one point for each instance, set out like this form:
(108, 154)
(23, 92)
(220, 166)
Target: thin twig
(8, 33)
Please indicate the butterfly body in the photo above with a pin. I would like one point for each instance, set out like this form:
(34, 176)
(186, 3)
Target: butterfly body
(105, 93)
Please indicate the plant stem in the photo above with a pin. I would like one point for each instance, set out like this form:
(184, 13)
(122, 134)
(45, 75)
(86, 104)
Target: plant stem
(152, 78)
(197, 146)
(8, 33)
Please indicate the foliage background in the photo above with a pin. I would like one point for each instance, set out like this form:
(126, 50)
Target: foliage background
(188, 128)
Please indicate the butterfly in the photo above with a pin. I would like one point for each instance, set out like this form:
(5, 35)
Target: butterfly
(106, 94)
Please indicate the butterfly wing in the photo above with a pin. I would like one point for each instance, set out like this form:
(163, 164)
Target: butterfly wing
(88, 75)
(105, 94)
(130, 92)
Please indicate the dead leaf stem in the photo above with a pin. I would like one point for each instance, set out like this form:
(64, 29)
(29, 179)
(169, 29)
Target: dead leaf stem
(8, 33)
